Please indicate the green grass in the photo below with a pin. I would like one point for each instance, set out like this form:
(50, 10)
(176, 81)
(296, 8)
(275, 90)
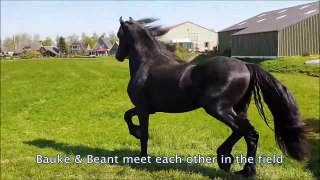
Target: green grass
(75, 107)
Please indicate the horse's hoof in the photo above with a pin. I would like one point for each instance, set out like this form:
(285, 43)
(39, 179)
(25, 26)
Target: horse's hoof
(247, 172)
(226, 166)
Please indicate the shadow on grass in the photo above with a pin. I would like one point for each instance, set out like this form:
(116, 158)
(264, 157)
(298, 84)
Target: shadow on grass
(315, 123)
(84, 151)
(314, 161)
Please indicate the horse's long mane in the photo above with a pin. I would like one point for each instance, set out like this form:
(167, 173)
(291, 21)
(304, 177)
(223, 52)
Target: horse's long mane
(152, 33)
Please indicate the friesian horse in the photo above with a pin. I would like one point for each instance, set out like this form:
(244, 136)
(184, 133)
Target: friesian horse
(222, 86)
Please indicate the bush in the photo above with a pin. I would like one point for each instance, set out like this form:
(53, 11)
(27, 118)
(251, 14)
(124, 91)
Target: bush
(182, 53)
(305, 54)
(29, 54)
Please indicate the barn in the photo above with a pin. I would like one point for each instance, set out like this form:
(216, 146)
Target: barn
(192, 36)
(283, 32)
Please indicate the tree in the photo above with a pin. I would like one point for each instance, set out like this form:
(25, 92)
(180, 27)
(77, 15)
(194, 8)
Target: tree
(57, 39)
(63, 46)
(72, 38)
(8, 44)
(23, 38)
(113, 38)
(47, 42)
(89, 41)
(36, 38)
(95, 37)
(83, 37)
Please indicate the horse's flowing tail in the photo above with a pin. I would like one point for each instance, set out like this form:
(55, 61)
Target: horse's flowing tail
(290, 129)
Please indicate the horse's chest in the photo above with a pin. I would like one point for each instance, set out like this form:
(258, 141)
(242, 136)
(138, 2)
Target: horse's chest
(134, 93)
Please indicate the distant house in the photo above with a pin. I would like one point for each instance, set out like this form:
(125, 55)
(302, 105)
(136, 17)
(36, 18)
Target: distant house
(79, 48)
(102, 47)
(113, 49)
(49, 51)
(283, 32)
(192, 36)
(46, 51)
(34, 46)
(6, 53)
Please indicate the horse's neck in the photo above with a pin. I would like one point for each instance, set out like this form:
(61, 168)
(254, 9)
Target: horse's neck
(134, 66)
(138, 57)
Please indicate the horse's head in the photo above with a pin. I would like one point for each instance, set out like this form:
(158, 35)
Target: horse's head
(136, 34)
(125, 40)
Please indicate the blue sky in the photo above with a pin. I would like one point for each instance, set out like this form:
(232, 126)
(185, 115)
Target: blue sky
(50, 18)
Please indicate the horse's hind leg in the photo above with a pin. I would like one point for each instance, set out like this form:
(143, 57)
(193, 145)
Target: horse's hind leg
(134, 130)
(225, 149)
(251, 136)
(225, 115)
(240, 127)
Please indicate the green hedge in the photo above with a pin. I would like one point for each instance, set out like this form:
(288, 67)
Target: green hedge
(294, 64)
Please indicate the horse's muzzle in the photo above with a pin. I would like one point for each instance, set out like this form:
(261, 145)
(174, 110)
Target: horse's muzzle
(119, 58)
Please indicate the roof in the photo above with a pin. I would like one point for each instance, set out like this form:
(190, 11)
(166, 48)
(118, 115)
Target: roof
(52, 49)
(101, 49)
(177, 25)
(75, 43)
(86, 46)
(34, 46)
(102, 43)
(115, 45)
(275, 20)
(106, 41)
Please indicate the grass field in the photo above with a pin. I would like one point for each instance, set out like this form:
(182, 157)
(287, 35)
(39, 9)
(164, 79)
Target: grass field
(75, 107)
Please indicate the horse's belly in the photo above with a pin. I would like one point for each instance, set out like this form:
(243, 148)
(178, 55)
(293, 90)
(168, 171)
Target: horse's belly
(173, 102)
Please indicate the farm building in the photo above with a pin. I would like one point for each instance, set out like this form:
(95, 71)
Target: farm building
(284, 32)
(192, 36)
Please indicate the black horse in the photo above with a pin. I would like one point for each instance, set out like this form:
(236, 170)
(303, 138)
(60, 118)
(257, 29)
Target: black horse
(223, 86)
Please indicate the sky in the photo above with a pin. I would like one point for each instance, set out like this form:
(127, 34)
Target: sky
(64, 18)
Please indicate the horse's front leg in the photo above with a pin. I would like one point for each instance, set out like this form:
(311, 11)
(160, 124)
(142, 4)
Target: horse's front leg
(143, 116)
(134, 130)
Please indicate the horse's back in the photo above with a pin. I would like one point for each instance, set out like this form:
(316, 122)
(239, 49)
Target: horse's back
(217, 70)
(221, 78)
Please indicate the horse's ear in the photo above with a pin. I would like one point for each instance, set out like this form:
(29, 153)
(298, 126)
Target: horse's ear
(130, 20)
(121, 21)
(123, 24)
